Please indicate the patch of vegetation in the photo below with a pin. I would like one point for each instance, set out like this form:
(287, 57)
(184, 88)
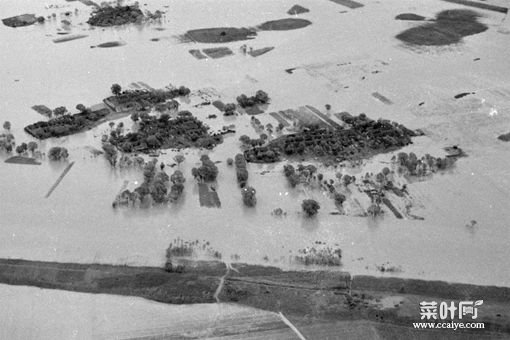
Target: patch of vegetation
(319, 255)
(449, 28)
(154, 188)
(7, 142)
(177, 179)
(310, 207)
(241, 170)
(58, 153)
(66, 124)
(229, 109)
(191, 249)
(303, 173)
(409, 164)
(22, 20)
(249, 142)
(260, 97)
(154, 133)
(207, 172)
(113, 16)
(142, 100)
(364, 138)
(249, 198)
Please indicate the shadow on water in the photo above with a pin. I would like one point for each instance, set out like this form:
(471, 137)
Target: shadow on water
(374, 223)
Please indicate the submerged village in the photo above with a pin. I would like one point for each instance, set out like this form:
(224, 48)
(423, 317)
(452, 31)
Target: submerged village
(307, 174)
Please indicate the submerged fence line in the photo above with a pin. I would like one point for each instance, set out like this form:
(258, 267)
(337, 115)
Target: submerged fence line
(59, 179)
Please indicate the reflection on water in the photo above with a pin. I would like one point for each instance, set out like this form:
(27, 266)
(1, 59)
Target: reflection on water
(77, 223)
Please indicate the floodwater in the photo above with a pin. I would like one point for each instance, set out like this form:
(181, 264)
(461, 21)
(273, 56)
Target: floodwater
(336, 60)
(33, 313)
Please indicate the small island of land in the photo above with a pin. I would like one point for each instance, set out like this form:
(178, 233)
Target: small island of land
(230, 34)
(164, 133)
(22, 20)
(363, 138)
(122, 103)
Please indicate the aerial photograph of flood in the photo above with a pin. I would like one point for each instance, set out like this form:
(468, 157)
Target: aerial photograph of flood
(255, 169)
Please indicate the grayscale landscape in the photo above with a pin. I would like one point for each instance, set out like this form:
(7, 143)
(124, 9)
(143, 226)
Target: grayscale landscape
(241, 169)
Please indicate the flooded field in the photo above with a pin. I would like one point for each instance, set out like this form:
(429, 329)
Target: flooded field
(57, 314)
(339, 60)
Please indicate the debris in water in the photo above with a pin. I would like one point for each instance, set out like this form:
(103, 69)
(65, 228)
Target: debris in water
(463, 94)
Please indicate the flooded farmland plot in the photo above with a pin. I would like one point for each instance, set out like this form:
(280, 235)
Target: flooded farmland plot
(298, 162)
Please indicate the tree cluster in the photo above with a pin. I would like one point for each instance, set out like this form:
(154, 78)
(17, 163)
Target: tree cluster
(65, 125)
(249, 198)
(310, 207)
(323, 256)
(241, 170)
(177, 179)
(110, 153)
(207, 172)
(249, 142)
(58, 153)
(128, 161)
(7, 142)
(229, 109)
(303, 174)
(410, 164)
(260, 97)
(154, 187)
(364, 137)
(154, 133)
(112, 16)
(171, 105)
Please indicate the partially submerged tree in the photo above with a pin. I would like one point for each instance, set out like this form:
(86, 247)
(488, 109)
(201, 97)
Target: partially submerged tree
(310, 207)
(58, 153)
(339, 198)
(59, 111)
(179, 159)
(20, 150)
(230, 109)
(177, 187)
(81, 108)
(7, 125)
(149, 170)
(110, 153)
(32, 146)
(116, 89)
(241, 170)
(249, 198)
(207, 172)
